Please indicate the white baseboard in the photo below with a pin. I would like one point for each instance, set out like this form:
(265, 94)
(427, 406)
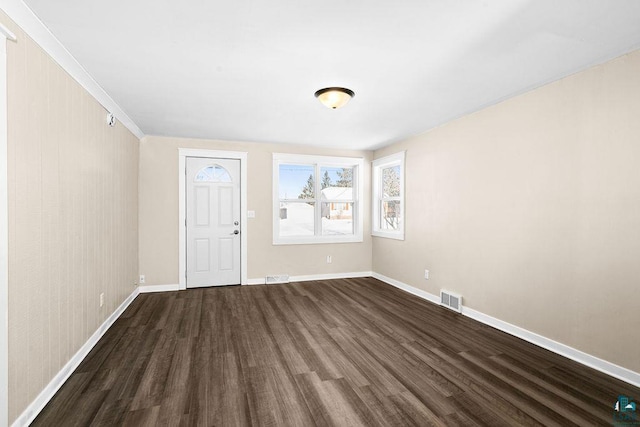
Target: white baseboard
(158, 288)
(408, 288)
(262, 280)
(32, 411)
(624, 374)
(581, 357)
(311, 277)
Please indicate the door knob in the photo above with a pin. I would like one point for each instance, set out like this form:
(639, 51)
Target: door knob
(236, 232)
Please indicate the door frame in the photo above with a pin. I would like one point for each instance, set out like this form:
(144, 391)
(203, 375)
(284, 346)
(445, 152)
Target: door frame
(183, 153)
(5, 35)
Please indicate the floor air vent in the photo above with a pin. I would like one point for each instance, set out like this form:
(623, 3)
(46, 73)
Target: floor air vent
(283, 278)
(451, 300)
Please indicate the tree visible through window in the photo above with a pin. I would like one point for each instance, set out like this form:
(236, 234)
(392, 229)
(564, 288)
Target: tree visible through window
(308, 213)
(308, 191)
(391, 201)
(388, 196)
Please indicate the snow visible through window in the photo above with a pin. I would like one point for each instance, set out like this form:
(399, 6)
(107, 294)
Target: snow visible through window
(317, 199)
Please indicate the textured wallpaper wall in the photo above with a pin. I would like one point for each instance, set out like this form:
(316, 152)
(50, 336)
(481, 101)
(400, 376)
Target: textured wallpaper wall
(73, 217)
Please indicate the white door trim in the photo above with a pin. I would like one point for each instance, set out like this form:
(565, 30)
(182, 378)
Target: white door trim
(183, 153)
(5, 35)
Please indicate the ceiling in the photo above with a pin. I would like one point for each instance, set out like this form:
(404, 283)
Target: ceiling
(247, 70)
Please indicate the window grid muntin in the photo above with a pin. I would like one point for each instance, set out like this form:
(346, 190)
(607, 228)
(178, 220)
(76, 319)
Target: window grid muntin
(355, 164)
(218, 174)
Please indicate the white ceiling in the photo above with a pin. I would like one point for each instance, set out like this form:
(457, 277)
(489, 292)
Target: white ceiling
(247, 70)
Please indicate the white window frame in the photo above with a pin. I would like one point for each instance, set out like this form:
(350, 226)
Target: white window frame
(318, 162)
(397, 159)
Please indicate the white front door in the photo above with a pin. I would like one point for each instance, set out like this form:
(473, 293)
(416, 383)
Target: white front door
(213, 221)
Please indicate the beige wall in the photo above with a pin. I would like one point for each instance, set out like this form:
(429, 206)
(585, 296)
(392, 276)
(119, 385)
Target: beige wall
(159, 214)
(531, 210)
(73, 190)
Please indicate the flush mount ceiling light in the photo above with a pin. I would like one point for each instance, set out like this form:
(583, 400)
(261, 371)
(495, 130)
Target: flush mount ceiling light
(334, 97)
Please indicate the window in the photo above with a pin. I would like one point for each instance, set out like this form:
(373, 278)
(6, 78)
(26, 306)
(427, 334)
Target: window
(316, 199)
(214, 173)
(388, 197)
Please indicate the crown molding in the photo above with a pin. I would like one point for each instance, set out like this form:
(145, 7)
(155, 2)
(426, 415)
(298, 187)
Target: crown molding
(6, 33)
(24, 17)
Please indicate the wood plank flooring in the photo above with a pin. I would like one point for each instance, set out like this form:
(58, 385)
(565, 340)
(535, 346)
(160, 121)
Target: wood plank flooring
(353, 352)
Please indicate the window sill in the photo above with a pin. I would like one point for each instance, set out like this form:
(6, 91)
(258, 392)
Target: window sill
(318, 240)
(388, 235)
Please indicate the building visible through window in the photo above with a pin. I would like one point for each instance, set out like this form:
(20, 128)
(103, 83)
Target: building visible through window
(316, 199)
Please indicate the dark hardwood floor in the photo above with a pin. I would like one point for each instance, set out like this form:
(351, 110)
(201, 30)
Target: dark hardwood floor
(338, 352)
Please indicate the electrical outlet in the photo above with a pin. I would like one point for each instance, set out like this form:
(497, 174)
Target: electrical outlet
(141, 279)
(329, 259)
(251, 214)
(101, 299)
(426, 275)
